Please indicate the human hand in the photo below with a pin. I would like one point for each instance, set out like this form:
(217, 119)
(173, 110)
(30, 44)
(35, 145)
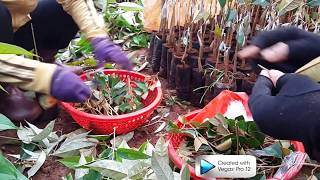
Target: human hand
(106, 51)
(291, 112)
(276, 53)
(286, 43)
(273, 75)
(67, 86)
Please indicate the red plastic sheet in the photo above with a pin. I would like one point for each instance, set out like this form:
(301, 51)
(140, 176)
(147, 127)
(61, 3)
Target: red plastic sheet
(220, 105)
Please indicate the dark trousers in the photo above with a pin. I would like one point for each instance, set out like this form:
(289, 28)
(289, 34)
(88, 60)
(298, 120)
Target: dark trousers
(53, 28)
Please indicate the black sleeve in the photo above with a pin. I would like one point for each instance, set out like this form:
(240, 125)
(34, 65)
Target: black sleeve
(303, 46)
(304, 50)
(291, 85)
(282, 34)
(292, 114)
(263, 106)
(261, 91)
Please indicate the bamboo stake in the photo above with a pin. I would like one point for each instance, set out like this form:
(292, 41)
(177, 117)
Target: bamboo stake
(235, 58)
(255, 20)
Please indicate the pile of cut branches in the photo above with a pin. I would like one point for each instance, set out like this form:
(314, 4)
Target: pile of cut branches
(220, 135)
(113, 96)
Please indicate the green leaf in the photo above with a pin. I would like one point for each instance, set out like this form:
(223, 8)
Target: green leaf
(222, 3)
(68, 177)
(288, 5)
(29, 147)
(92, 175)
(143, 146)
(131, 154)
(106, 154)
(160, 128)
(189, 132)
(130, 6)
(254, 131)
(185, 172)
(211, 133)
(40, 161)
(124, 107)
(75, 143)
(137, 169)
(198, 142)
(5, 123)
(44, 133)
(222, 130)
(313, 3)
(84, 46)
(161, 168)
(275, 150)
(109, 168)
(262, 3)
(217, 31)
(100, 137)
(9, 171)
(140, 40)
(25, 134)
(118, 140)
(73, 161)
(143, 86)
(80, 172)
(12, 49)
(204, 15)
(119, 85)
(241, 36)
(172, 127)
(221, 119)
(225, 145)
(161, 147)
(232, 13)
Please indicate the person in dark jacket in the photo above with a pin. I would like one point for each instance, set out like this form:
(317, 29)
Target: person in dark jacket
(286, 105)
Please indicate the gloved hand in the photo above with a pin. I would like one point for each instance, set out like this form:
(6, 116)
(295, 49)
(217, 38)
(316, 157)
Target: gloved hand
(106, 51)
(289, 48)
(288, 110)
(67, 86)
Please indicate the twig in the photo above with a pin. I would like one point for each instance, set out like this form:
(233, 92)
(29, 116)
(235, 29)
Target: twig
(237, 135)
(17, 139)
(210, 144)
(114, 143)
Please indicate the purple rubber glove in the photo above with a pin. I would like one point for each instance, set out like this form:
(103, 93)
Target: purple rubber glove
(67, 86)
(106, 51)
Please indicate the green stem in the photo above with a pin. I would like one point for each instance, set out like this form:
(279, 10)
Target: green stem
(237, 135)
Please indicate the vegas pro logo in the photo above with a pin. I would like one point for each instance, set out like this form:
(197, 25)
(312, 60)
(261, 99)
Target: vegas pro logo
(205, 166)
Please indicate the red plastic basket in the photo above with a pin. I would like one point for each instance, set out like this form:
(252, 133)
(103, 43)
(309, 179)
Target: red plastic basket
(122, 123)
(176, 139)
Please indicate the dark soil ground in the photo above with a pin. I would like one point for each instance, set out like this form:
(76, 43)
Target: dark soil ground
(53, 170)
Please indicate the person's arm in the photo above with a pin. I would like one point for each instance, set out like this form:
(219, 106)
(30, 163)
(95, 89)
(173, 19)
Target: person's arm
(288, 46)
(84, 18)
(262, 105)
(25, 73)
(292, 114)
(266, 39)
(40, 77)
(104, 49)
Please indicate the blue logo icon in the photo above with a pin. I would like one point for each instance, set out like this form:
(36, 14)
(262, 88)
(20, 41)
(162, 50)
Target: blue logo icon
(205, 166)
